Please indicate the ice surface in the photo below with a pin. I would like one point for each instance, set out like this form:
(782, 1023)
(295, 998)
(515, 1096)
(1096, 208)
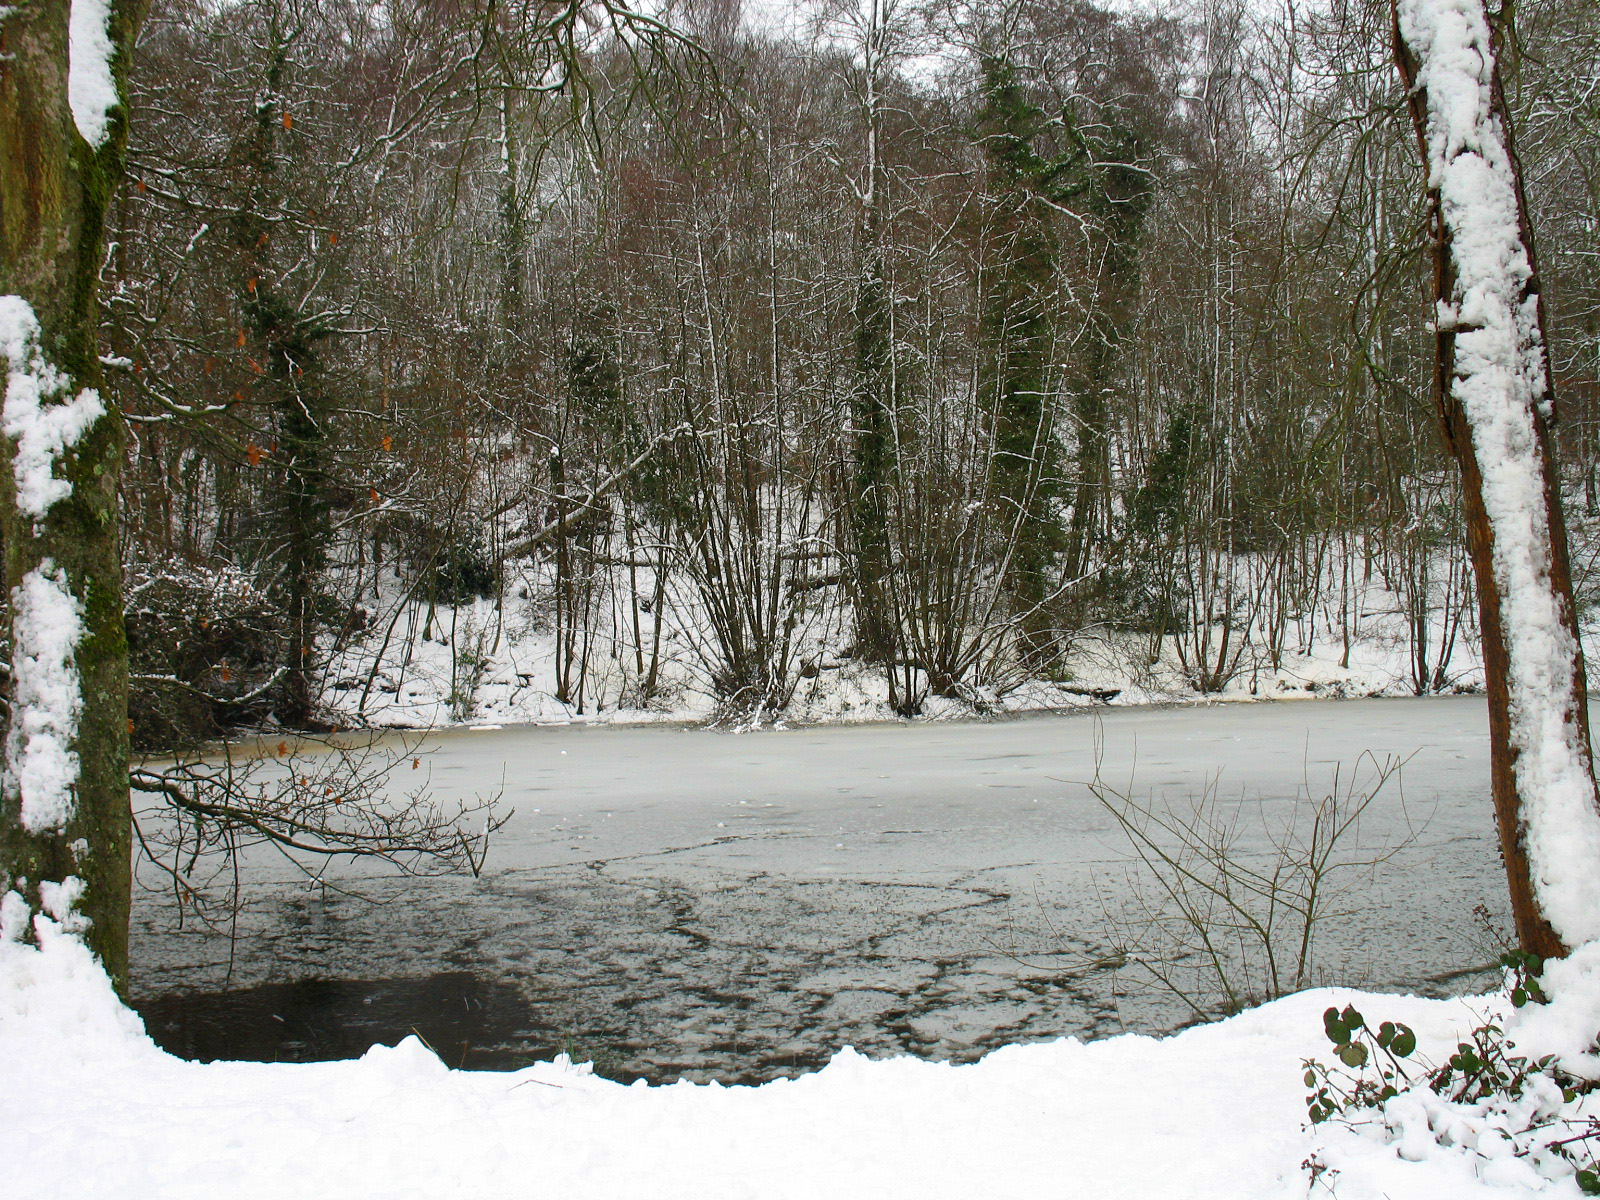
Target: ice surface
(679, 899)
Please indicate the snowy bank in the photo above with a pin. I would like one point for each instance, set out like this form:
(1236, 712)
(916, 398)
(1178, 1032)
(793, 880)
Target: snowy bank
(95, 1109)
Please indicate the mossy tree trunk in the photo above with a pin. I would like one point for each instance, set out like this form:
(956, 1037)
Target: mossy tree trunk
(54, 189)
(285, 347)
(873, 398)
(872, 458)
(1118, 191)
(1018, 376)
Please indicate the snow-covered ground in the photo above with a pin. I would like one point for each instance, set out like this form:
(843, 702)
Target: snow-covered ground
(94, 1109)
(500, 661)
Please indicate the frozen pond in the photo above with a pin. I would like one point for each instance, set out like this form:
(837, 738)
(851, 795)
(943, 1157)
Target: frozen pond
(686, 903)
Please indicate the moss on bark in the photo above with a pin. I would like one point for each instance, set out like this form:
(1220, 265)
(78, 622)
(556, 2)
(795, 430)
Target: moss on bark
(54, 190)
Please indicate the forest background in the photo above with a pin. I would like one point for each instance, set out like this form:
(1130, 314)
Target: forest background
(950, 350)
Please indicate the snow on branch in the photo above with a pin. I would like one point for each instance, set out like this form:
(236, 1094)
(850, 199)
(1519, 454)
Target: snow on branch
(1500, 380)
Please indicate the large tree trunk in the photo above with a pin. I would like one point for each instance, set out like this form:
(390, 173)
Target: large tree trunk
(64, 813)
(1496, 406)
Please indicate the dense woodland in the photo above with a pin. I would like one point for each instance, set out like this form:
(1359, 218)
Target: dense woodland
(941, 338)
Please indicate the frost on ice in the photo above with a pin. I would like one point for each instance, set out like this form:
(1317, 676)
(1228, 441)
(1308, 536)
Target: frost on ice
(91, 88)
(42, 432)
(47, 696)
(1500, 382)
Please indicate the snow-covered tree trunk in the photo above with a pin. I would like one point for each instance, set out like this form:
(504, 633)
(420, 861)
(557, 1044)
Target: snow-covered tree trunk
(64, 818)
(1496, 406)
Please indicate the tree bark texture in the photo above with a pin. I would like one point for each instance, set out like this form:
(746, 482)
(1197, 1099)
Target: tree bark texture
(1549, 899)
(54, 189)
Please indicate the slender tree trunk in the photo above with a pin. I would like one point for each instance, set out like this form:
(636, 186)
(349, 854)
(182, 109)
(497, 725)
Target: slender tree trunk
(284, 346)
(871, 460)
(873, 399)
(1493, 387)
(64, 812)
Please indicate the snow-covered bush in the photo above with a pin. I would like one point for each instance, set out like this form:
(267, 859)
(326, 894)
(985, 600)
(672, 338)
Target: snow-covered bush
(463, 573)
(1517, 1119)
(205, 648)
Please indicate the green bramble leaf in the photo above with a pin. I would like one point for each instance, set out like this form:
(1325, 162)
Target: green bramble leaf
(1353, 1054)
(1334, 1027)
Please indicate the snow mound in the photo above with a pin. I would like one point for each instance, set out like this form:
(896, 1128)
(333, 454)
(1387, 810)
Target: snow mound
(1566, 1026)
(57, 1007)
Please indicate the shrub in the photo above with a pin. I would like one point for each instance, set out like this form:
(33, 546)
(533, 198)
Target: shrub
(205, 647)
(462, 574)
(1485, 1101)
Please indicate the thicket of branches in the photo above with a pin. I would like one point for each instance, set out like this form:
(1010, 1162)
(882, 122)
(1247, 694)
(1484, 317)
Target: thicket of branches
(935, 336)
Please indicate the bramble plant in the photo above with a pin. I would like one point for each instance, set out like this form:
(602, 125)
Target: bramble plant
(1374, 1062)
(1525, 968)
(1483, 1078)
